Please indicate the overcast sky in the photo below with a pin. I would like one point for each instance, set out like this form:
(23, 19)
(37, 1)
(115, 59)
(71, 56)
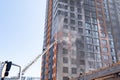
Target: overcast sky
(21, 32)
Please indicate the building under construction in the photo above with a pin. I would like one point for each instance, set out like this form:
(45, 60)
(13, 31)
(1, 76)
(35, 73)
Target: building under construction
(87, 35)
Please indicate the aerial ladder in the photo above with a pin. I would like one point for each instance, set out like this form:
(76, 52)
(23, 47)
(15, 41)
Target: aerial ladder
(32, 62)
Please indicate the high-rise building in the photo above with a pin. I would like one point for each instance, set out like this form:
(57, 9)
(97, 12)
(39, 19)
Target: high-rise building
(87, 35)
(114, 25)
(112, 11)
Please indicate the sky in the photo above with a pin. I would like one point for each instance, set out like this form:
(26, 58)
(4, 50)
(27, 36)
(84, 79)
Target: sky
(21, 32)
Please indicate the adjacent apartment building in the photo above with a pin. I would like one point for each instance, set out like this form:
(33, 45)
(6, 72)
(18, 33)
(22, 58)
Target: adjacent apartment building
(87, 34)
